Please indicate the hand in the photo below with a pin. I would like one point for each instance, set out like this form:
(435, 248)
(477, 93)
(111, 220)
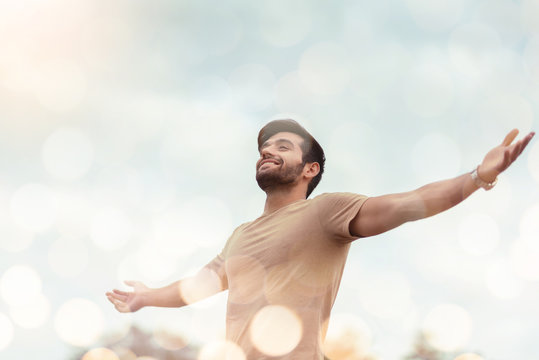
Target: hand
(503, 155)
(131, 301)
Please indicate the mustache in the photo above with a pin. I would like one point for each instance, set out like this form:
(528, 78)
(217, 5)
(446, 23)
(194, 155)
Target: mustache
(260, 163)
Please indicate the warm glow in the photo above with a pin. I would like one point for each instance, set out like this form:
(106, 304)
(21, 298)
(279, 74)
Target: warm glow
(32, 314)
(468, 356)
(525, 259)
(502, 282)
(100, 354)
(6, 331)
(79, 322)
(205, 283)
(221, 350)
(348, 337)
(275, 330)
(447, 327)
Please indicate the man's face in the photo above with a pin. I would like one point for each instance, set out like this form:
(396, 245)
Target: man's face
(280, 161)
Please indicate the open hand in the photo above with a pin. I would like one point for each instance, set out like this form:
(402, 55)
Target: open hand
(129, 301)
(503, 155)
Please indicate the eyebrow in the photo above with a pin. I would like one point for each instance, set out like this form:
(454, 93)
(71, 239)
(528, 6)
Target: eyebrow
(268, 143)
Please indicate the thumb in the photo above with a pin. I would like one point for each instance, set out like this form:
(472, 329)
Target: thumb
(130, 283)
(510, 137)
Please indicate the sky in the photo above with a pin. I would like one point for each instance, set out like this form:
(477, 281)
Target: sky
(128, 142)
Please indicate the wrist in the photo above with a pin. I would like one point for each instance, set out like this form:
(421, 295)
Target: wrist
(488, 177)
(482, 180)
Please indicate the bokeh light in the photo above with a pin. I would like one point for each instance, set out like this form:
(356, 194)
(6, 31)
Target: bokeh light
(221, 350)
(502, 282)
(448, 327)
(291, 95)
(79, 322)
(525, 259)
(68, 257)
(468, 356)
(386, 295)
(67, 154)
(100, 354)
(205, 283)
(20, 284)
(34, 207)
(111, 229)
(503, 110)
(31, 314)
(245, 287)
(14, 239)
(429, 91)
(6, 331)
(439, 154)
(348, 336)
(478, 234)
(324, 69)
(473, 49)
(529, 226)
(275, 330)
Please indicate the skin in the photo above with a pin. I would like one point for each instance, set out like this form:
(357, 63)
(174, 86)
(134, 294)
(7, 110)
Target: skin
(281, 160)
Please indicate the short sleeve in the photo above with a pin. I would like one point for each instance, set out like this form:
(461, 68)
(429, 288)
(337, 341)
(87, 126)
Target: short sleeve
(336, 210)
(217, 267)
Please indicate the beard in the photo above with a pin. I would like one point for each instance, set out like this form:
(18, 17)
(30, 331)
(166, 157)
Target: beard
(280, 177)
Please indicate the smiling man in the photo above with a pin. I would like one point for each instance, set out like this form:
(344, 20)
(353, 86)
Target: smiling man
(283, 269)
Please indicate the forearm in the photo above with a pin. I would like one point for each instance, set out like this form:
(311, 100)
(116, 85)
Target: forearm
(436, 197)
(168, 296)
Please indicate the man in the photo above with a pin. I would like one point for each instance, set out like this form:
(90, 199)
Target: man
(283, 269)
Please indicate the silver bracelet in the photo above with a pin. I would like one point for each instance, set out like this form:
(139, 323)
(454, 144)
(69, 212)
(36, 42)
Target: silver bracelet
(480, 182)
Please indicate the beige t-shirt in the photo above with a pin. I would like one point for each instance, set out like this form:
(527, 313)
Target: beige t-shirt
(283, 271)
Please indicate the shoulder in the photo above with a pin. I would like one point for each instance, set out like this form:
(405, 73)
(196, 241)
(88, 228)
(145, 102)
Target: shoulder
(338, 197)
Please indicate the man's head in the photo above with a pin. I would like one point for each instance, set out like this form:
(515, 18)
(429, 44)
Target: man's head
(286, 151)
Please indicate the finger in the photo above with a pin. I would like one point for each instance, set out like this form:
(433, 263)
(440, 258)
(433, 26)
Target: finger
(526, 140)
(118, 296)
(120, 292)
(130, 283)
(510, 137)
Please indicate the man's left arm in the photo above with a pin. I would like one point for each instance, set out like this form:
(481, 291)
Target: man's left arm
(382, 213)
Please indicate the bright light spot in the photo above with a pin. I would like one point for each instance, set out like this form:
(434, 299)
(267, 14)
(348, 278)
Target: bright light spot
(533, 160)
(14, 239)
(387, 295)
(275, 330)
(111, 229)
(473, 48)
(67, 154)
(479, 234)
(60, 85)
(435, 156)
(68, 257)
(447, 327)
(6, 331)
(348, 337)
(529, 227)
(436, 15)
(79, 322)
(146, 358)
(204, 284)
(429, 92)
(100, 354)
(169, 340)
(125, 353)
(504, 110)
(32, 314)
(221, 350)
(468, 356)
(75, 211)
(285, 23)
(502, 282)
(19, 285)
(253, 86)
(154, 263)
(324, 68)
(34, 207)
(525, 259)
(244, 286)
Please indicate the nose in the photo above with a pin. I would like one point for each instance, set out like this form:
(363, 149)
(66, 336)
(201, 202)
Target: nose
(266, 152)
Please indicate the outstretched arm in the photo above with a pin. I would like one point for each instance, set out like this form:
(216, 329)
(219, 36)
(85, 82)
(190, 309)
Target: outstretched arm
(205, 283)
(383, 213)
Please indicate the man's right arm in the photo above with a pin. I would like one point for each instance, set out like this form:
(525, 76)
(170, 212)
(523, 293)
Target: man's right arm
(205, 283)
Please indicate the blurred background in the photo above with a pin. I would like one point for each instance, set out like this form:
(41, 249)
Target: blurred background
(128, 148)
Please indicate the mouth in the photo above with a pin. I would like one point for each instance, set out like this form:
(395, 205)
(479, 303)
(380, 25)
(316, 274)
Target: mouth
(268, 161)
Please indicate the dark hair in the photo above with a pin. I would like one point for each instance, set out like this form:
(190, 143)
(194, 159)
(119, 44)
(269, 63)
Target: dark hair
(312, 151)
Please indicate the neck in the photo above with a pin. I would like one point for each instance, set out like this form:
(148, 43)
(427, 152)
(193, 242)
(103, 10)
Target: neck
(278, 198)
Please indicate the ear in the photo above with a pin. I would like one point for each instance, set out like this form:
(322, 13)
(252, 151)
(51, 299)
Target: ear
(310, 170)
